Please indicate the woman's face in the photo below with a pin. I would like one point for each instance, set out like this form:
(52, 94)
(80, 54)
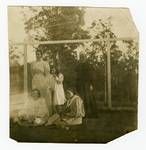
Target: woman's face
(35, 95)
(69, 95)
(53, 71)
(38, 55)
(47, 58)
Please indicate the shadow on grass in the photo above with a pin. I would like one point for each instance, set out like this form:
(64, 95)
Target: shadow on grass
(107, 127)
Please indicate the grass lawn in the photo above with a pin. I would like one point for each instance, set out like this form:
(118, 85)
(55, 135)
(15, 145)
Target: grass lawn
(109, 125)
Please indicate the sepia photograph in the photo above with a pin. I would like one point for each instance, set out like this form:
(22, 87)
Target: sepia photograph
(73, 73)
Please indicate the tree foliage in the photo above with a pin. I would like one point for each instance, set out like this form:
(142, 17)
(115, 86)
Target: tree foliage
(63, 23)
(58, 23)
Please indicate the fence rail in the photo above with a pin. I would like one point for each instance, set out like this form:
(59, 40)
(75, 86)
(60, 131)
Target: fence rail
(73, 41)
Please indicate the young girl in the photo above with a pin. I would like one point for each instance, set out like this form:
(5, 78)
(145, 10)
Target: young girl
(35, 111)
(59, 96)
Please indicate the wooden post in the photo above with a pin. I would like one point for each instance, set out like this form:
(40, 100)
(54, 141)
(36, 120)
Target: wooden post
(25, 70)
(105, 83)
(109, 102)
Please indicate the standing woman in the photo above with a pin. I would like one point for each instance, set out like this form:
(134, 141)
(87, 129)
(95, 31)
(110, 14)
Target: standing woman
(39, 69)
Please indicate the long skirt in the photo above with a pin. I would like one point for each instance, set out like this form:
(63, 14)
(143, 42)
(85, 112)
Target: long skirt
(39, 82)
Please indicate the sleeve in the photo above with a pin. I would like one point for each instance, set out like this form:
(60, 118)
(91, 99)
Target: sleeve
(73, 110)
(80, 112)
(61, 77)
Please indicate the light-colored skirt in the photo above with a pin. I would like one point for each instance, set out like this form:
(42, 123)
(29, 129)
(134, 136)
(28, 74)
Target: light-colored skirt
(34, 108)
(59, 96)
(39, 82)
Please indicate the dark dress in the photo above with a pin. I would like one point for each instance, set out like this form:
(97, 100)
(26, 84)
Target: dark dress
(85, 80)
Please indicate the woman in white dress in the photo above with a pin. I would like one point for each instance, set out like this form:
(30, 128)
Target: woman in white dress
(39, 69)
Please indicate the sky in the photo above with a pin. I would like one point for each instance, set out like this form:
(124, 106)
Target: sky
(123, 25)
(121, 19)
(16, 30)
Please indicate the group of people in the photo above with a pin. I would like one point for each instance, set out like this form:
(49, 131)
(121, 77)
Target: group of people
(48, 103)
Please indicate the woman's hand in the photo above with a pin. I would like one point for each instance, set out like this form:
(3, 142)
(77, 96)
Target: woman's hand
(58, 82)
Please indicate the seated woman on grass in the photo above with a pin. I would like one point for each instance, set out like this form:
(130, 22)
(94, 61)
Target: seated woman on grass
(35, 111)
(72, 112)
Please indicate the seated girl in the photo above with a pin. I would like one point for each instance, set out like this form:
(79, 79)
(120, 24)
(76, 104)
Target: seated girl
(72, 113)
(74, 109)
(35, 111)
